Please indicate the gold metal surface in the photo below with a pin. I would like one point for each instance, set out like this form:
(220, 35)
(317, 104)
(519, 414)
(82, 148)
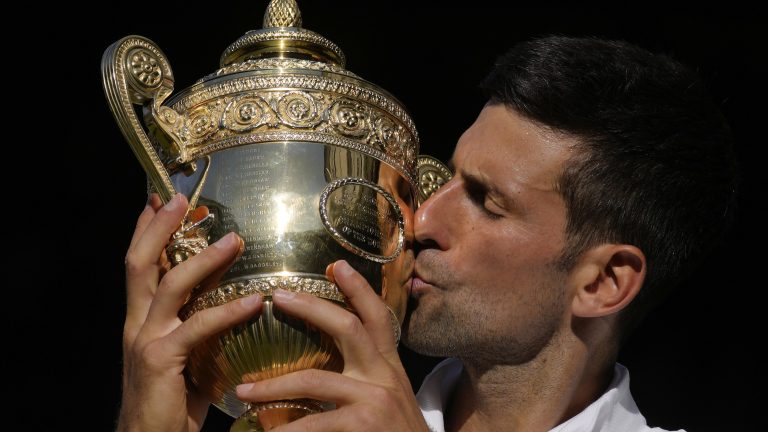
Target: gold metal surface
(267, 346)
(135, 71)
(306, 161)
(264, 285)
(282, 13)
(261, 106)
(433, 174)
(282, 36)
(266, 416)
(192, 237)
(340, 202)
(189, 240)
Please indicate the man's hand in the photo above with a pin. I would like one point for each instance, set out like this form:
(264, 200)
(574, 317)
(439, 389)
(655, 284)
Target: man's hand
(156, 343)
(373, 392)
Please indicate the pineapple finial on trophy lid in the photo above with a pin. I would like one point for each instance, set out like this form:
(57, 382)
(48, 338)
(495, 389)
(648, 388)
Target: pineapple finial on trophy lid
(283, 37)
(282, 13)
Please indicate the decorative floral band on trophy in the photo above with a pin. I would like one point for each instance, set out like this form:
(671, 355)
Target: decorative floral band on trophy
(306, 161)
(266, 115)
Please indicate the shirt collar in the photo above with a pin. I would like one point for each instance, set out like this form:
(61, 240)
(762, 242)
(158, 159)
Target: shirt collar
(615, 410)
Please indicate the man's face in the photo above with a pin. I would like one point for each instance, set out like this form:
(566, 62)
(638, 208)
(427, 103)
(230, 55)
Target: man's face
(486, 283)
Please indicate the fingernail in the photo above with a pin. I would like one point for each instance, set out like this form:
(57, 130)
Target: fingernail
(329, 273)
(225, 242)
(251, 301)
(244, 388)
(153, 201)
(342, 268)
(283, 295)
(174, 203)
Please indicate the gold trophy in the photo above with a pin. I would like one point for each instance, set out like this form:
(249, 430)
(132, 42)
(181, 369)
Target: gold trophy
(305, 160)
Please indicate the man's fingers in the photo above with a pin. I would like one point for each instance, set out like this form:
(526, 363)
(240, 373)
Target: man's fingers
(142, 262)
(344, 391)
(212, 280)
(209, 322)
(176, 285)
(153, 240)
(372, 311)
(362, 338)
(153, 205)
(343, 326)
(310, 383)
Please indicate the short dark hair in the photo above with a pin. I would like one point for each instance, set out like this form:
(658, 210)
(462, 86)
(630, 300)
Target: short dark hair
(655, 167)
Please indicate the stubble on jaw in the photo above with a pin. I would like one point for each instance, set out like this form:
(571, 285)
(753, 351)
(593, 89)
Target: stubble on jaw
(463, 327)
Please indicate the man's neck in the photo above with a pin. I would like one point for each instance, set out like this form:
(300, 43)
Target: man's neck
(535, 396)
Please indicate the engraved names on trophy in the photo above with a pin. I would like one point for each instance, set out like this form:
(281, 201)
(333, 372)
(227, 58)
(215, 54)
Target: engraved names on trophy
(248, 185)
(364, 218)
(354, 211)
(268, 194)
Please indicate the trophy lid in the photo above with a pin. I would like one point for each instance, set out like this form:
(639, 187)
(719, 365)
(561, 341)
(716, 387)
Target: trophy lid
(283, 37)
(286, 83)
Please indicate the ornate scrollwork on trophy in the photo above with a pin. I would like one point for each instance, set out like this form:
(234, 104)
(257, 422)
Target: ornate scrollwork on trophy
(144, 67)
(390, 137)
(332, 85)
(200, 124)
(135, 71)
(433, 174)
(247, 112)
(169, 117)
(298, 109)
(215, 125)
(189, 240)
(350, 118)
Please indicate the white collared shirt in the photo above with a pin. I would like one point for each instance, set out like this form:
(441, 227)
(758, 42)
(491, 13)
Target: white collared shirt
(614, 411)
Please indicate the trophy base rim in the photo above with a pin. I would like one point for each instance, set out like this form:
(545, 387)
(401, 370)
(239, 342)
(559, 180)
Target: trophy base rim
(265, 416)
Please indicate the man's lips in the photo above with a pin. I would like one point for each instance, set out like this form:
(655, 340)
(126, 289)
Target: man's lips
(421, 278)
(419, 286)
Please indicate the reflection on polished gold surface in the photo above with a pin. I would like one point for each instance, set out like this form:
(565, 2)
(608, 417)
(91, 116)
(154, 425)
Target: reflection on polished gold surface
(306, 161)
(269, 345)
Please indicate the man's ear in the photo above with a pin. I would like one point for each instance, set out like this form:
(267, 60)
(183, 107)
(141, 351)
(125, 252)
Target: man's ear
(606, 279)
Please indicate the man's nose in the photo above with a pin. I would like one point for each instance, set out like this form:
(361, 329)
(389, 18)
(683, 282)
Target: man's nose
(433, 215)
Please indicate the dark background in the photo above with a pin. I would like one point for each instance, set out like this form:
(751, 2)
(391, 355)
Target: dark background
(694, 362)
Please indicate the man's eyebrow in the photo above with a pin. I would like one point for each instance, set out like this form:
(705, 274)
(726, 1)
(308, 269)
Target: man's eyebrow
(478, 184)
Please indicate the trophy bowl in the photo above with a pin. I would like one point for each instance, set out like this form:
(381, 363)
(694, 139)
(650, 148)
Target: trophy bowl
(306, 161)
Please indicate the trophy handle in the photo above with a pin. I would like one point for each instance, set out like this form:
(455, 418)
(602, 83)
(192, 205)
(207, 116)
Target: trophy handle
(135, 71)
(432, 175)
